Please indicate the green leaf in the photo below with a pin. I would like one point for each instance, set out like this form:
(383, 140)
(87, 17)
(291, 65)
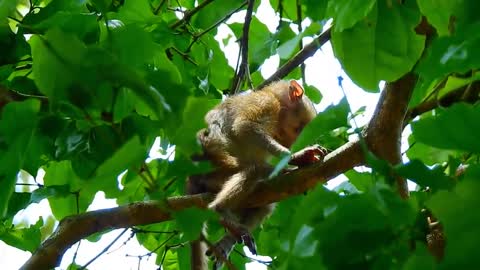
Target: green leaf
(287, 49)
(124, 105)
(456, 127)
(457, 53)
(316, 9)
(57, 53)
(193, 115)
(190, 221)
(130, 154)
(420, 259)
(362, 181)
(62, 205)
(456, 211)
(214, 12)
(6, 8)
(440, 12)
(27, 239)
(5, 71)
(171, 261)
(332, 118)
(84, 26)
(313, 93)
(50, 191)
(18, 201)
(370, 222)
(347, 13)
(425, 177)
(384, 46)
(305, 242)
(17, 133)
(132, 45)
(136, 11)
(261, 45)
(102, 63)
(427, 154)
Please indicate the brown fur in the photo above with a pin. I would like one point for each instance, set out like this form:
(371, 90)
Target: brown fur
(242, 133)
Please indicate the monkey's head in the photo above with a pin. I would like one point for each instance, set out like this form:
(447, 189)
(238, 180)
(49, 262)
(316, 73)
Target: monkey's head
(296, 111)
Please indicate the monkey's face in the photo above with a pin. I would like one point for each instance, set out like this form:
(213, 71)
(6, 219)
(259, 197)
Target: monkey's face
(292, 122)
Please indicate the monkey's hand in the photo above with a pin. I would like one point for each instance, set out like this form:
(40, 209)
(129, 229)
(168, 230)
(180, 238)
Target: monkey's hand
(308, 155)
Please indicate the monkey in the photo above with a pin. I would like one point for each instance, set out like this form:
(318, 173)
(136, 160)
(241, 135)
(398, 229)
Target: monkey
(242, 133)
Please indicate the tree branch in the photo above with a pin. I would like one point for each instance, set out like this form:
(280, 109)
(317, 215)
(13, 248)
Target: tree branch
(74, 228)
(243, 68)
(445, 101)
(299, 58)
(384, 131)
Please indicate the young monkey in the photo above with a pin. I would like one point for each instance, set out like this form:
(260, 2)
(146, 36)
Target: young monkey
(242, 133)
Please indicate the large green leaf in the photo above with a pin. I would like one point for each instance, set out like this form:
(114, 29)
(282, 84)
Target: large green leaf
(427, 154)
(60, 54)
(425, 177)
(439, 13)
(62, 205)
(17, 132)
(383, 46)
(27, 239)
(459, 227)
(456, 127)
(347, 13)
(457, 53)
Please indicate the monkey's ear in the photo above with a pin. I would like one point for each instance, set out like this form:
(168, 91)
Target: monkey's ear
(295, 91)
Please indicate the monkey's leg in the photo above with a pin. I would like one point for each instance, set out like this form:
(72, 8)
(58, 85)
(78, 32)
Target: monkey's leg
(233, 192)
(248, 218)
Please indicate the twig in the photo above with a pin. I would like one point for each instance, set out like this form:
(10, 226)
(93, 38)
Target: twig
(199, 35)
(184, 56)
(159, 7)
(445, 101)
(300, 30)
(30, 184)
(299, 58)
(188, 14)
(137, 230)
(243, 71)
(104, 250)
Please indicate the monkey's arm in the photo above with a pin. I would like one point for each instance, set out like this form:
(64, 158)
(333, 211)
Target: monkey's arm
(252, 133)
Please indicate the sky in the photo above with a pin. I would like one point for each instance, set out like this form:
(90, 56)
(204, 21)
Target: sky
(322, 71)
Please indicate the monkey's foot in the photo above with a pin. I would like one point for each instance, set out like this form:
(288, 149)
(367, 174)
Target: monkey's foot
(248, 241)
(219, 252)
(241, 234)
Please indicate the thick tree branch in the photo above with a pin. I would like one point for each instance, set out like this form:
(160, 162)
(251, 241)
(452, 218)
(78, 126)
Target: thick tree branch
(74, 228)
(299, 58)
(383, 133)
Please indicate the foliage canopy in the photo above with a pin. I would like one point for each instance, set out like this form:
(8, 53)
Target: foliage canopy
(86, 87)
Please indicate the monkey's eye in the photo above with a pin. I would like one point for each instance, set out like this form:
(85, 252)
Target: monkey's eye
(298, 129)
